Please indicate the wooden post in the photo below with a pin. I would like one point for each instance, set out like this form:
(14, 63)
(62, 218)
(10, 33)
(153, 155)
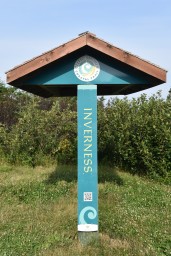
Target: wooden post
(87, 163)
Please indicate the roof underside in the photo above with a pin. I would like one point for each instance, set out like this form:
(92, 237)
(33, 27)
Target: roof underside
(146, 74)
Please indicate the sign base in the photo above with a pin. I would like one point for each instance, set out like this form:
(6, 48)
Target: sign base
(86, 238)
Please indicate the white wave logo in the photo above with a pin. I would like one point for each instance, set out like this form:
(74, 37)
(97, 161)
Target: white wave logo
(86, 68)
(90, 213)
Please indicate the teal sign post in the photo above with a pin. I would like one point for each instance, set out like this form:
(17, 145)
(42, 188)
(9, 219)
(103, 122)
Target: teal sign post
(87, 159)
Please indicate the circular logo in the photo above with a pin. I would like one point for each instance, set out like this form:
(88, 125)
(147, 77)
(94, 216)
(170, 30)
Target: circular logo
(86, 68)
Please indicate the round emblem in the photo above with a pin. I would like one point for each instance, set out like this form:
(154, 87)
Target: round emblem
(86, 68)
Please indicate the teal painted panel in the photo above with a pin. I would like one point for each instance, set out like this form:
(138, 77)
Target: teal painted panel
(63, 73)
(87, 158)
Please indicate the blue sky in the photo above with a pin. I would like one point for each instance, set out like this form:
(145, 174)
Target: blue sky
(29, 28)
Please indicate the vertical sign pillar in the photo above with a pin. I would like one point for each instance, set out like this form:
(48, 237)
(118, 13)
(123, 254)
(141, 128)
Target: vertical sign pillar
(87, 160)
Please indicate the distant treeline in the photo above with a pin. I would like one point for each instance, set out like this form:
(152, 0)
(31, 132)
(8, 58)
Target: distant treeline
(134, 135)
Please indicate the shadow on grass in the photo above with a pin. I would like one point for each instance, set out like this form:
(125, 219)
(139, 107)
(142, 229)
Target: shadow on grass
(69, 174)
(109, 174)
(63, 172)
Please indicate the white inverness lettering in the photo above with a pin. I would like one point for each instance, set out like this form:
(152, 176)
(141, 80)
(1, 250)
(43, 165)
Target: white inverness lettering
(87, 131)
(87, 161)
(88, 155)
(87, 125)
(87, 116)
(88, 169)
(88, 139)
(87, 147)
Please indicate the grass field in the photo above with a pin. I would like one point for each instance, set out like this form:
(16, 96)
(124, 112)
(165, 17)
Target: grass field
(38, 213)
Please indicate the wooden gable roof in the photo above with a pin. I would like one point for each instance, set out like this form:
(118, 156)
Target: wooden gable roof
(87, 40)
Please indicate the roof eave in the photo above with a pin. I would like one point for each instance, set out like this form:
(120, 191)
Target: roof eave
(45, 59)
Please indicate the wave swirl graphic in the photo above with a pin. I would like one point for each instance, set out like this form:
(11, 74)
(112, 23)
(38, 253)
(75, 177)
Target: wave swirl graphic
(89, 212)
(87, 69)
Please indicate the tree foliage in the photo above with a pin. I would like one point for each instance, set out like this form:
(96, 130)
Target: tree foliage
(132, 134)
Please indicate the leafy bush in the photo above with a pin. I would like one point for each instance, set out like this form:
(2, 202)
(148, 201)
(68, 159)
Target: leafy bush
(132, 134)
(138, 135)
